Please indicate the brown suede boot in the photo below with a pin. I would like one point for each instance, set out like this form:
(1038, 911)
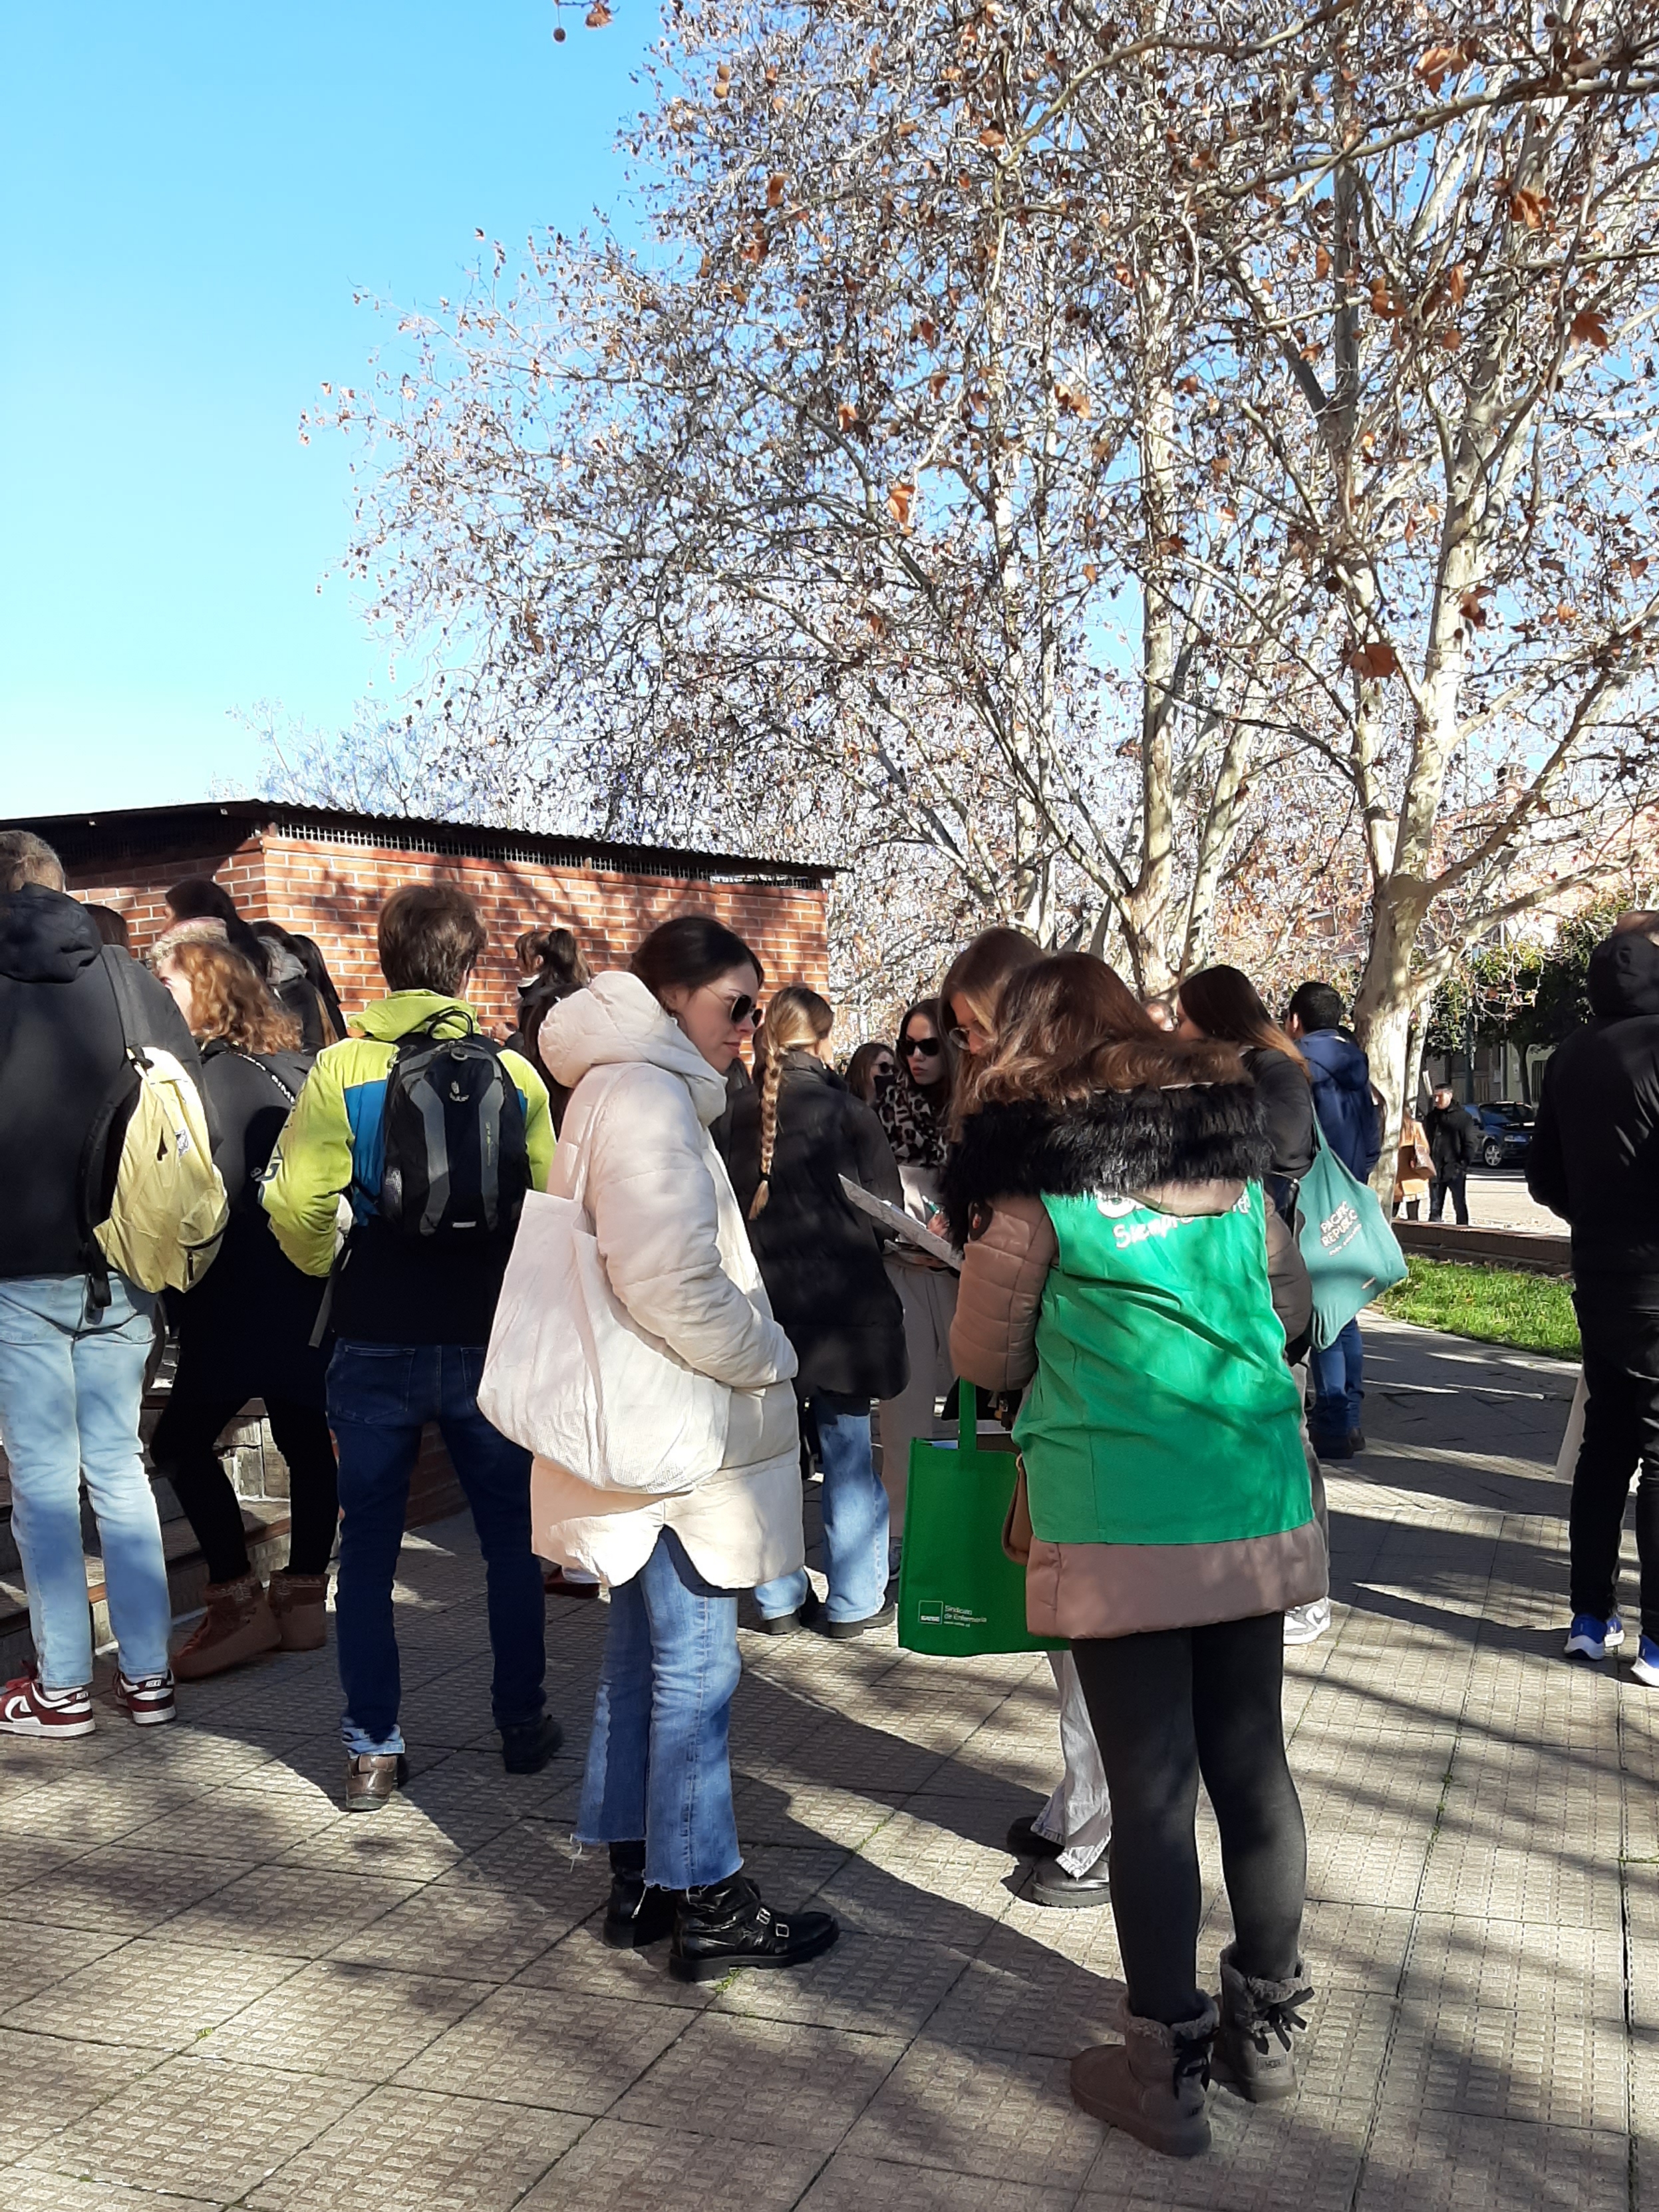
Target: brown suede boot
(301, 1605)
(1261, 2025)
(237, 1627)
(1155, 2084)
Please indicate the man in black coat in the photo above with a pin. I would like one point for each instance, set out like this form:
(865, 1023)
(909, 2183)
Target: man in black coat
(71, 1373)
(1453, 1137)
(1595, 1159)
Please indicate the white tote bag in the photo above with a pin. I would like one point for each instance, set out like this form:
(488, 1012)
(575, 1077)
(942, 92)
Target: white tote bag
(570, 1374)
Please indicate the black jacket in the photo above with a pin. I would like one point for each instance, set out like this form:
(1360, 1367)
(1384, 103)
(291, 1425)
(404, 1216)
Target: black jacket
(61, 1049)
(1285, 1092)
(245, 1329)
(1455, 1140)
(1595, 1151)
(819, 1257)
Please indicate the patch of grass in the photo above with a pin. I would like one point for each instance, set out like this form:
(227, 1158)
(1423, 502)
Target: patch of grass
(1497, 1305)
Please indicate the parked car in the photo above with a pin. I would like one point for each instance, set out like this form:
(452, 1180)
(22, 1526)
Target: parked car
(1505, 1131)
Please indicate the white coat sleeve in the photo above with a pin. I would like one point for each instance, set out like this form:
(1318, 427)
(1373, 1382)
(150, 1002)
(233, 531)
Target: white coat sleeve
(656, 1219)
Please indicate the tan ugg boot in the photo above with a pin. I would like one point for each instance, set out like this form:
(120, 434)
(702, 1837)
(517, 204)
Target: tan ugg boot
(301, 1605)
(237, 1627)
(1155, 2084)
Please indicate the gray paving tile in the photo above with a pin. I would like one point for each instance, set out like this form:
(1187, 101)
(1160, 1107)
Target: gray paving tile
(359, 2023)
(299, 1911)
(33, 1955)
(403, 2147)
(763, 2080)
(1000, 2115)
(567, 2050)
(154, 1991)
(866, 1985)
(22, 2192)
(123, 1890)
(1428, 2165)
(51, 2083)
(1307, 2152)
(641, 2168)
(450, 1930)
(197, 2127)
(851, 2183)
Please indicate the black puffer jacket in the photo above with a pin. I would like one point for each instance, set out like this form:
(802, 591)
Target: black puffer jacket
(1453, 1137)
(61, 1050)
(819, 1257)
(1595, 1151)
(244, 1330)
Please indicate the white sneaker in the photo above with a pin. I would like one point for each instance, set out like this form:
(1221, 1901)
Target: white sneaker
(1306, 1623)
(1646, 1668)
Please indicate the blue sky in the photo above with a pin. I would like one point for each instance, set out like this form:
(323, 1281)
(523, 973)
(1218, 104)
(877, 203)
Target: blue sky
(190, 194)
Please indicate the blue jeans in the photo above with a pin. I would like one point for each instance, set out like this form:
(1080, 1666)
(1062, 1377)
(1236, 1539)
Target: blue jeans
(70, 1386)
(855, 1518)
(657, 1762)
(1339, 1394)
(379, 1397)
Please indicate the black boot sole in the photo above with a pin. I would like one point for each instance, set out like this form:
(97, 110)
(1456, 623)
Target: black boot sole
(716, 1968)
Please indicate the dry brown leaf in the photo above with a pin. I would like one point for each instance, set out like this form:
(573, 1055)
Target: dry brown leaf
(1322, 263)
(1374, 661)
(775, 184)
(1451, 338)
(898, 503)
(1590, 328)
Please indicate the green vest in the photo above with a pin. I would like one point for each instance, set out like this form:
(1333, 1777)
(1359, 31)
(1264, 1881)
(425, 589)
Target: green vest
(1163, 1411)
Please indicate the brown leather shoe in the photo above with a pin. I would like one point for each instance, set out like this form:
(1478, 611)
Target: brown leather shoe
(237, 1627)
(299, 1603)
(371, 1778)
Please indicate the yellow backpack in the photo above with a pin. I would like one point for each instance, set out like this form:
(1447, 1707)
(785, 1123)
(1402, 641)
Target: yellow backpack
(160, 1219)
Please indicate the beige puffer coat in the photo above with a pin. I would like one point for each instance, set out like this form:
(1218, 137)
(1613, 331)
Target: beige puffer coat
(677, 1256)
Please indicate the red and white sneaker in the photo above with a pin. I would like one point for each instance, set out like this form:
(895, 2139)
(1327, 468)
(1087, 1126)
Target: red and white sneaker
(149, 1701)
(26, 1709)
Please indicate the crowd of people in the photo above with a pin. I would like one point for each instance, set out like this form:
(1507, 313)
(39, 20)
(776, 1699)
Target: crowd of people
(1116, 1274)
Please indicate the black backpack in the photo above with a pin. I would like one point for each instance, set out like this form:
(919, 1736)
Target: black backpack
(455, 1161)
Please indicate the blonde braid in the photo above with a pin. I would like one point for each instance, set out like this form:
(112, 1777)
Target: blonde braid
(795, 1016)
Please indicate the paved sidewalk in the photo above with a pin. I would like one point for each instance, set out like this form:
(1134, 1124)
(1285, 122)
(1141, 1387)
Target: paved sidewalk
(221, 1990)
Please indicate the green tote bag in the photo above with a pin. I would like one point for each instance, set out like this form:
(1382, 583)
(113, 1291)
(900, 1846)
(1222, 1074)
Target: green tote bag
(960, 1596)
(1352, 1256)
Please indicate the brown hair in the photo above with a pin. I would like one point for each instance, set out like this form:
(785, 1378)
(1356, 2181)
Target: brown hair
(228, 999)
(1070, 1025)
(111, 926)
(1225, 1004)
(860, 1075)
(428, 937)
(689, 951)
(981, 972)
(794, 1017)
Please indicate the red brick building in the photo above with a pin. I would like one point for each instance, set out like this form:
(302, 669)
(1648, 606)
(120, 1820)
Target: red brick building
(324, 874)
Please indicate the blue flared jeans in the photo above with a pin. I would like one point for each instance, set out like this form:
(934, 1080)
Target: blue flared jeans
(658, 1768)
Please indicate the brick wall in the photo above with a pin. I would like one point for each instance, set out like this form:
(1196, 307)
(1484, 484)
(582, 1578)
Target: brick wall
(333, 891)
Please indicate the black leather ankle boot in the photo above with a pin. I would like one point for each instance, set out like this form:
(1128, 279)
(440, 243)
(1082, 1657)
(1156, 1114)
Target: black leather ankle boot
(635, 1914)
(725, 1925)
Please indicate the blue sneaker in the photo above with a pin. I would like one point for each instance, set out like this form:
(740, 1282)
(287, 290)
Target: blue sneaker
(1589, 1636)
(1616, 1636)
(1646, 1669)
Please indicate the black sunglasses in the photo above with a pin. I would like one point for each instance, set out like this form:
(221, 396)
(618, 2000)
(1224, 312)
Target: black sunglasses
(929, 1047)
(743, 1009)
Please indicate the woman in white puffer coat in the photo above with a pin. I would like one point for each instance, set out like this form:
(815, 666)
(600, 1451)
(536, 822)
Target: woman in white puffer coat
(656, 1043)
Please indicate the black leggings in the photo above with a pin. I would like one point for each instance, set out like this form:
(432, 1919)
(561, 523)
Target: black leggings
(182, 1448)
(1167, 1708)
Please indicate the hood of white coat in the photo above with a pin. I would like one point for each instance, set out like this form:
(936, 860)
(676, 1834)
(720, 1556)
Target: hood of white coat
(615, 1022)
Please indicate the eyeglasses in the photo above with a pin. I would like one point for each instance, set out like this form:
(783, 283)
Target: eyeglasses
(929, 1047)
(743, 1009)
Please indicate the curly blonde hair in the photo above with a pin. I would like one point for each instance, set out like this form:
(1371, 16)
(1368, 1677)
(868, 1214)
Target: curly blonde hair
(228, 999)
(794, 1015)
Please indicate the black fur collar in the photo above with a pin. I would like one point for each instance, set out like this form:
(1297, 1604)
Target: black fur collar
(1113, 1140)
